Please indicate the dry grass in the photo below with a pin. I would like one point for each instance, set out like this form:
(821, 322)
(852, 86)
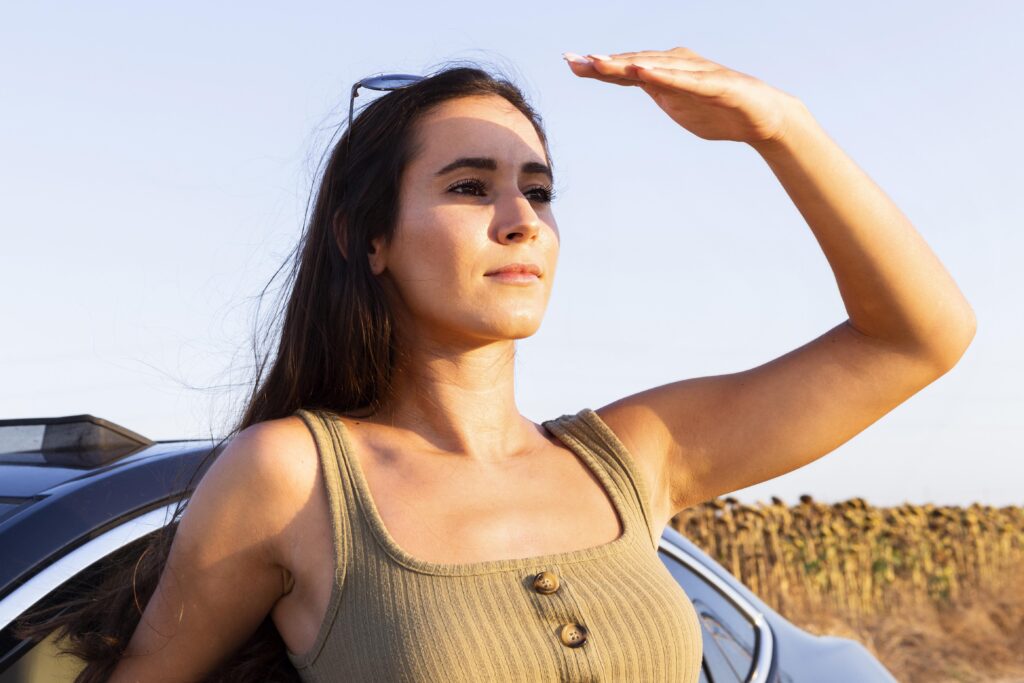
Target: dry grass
(936, 593)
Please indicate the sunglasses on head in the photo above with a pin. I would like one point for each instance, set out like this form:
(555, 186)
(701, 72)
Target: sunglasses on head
(381, 82)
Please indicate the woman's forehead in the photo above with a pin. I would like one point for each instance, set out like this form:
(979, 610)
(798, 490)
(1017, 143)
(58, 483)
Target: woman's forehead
(478, 126)
(477, 106)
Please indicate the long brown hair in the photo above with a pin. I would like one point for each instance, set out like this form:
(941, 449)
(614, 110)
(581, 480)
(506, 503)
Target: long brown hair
(335, 350)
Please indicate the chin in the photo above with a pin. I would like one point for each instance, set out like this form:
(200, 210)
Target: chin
(515, 329)
(523, 335)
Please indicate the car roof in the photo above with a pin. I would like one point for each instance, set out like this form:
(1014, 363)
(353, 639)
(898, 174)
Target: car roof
(53, 497)
(38, 454)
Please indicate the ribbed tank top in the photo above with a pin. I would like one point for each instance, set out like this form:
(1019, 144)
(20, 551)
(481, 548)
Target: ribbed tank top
(393, 617)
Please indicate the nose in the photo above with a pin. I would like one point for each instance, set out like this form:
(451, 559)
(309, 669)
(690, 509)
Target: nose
(519, 222)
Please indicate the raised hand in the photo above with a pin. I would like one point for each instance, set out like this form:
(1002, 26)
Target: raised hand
(706, 98)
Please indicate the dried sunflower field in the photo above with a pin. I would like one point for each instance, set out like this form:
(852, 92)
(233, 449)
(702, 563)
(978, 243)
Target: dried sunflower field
(936, 593)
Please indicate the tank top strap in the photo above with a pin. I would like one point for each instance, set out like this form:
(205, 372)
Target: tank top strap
(590, 432)
(342, 495)
(341, 498)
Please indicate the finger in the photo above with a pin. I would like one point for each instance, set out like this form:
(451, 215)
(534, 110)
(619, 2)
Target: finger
(706, 83)
(588, 70)
(683, 52)
(621, 67)
(625, 70)
(685, 58)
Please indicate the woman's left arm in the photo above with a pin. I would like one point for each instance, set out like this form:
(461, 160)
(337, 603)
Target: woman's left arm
(908, 321)
(893, 286)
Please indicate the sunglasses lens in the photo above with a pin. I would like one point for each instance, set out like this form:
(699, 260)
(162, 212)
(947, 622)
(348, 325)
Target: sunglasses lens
(390, 81)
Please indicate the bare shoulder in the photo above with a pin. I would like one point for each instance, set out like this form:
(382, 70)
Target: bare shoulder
(272, 468)
(281, 452)
(224, 572)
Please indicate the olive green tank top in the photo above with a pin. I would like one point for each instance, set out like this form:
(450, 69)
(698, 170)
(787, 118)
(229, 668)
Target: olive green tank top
(611, 612)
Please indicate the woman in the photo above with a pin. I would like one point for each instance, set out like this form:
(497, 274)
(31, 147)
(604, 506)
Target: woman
(385, 510)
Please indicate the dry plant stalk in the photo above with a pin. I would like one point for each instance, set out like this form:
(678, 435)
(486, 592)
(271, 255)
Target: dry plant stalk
(857, 560)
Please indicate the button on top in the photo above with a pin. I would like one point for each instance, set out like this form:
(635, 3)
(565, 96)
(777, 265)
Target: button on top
(545, 583)
(573, 635)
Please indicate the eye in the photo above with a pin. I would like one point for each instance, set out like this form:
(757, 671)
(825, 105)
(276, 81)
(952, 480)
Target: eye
(473, 184)
(546, 193)
(541, 193)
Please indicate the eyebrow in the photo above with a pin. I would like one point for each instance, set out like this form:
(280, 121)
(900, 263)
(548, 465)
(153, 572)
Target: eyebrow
(489, 164)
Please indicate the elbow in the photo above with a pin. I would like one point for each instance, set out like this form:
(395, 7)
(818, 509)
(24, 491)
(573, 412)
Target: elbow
(957, 336)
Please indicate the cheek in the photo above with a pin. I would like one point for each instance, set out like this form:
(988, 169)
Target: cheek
(436, 255)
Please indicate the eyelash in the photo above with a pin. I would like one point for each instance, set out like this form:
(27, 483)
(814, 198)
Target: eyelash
(547, 197)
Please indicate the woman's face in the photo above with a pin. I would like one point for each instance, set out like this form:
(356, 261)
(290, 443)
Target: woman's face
(473, 200)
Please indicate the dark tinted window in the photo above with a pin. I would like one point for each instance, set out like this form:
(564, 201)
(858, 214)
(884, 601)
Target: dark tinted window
(27, 662)
(43, 662)
(729, 636)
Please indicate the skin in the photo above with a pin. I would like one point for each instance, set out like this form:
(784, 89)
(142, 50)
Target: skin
(456, 387)
(456, 472)
(908, 321)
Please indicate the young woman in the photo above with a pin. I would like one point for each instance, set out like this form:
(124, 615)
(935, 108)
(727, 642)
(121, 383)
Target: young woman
(384, 511)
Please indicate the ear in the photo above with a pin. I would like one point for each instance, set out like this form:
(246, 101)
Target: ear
(377, 255)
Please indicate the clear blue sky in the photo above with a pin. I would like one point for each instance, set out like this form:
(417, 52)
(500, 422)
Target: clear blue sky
(155, 162)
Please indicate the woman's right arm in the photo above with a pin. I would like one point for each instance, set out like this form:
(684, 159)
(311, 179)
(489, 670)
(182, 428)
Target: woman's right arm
(223, 573)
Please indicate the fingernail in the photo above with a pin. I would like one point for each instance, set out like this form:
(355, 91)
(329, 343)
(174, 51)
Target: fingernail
(599, 57)
(573, 57)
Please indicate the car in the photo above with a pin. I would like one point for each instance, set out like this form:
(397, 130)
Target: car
(75, 490)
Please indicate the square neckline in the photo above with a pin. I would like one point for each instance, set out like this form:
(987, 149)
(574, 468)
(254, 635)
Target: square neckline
(406, 559)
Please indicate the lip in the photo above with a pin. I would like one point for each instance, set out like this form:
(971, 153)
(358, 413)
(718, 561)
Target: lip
(516, 269)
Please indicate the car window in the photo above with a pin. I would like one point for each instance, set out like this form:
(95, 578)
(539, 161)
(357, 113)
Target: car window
(728, 632)
(43, 662)
(25, 662)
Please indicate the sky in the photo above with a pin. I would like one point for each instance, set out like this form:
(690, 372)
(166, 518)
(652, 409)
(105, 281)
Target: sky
(155, 162)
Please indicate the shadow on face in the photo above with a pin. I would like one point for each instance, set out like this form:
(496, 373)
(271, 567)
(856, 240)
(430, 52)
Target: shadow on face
(475, 198)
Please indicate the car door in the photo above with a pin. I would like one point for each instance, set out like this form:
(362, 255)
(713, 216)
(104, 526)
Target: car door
(25, 662)
(736, 638)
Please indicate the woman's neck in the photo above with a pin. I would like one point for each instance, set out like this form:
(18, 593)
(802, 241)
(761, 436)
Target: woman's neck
(460, 402)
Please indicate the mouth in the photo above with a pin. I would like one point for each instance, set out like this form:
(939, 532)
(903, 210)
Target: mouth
(514, 277)
(527, 270)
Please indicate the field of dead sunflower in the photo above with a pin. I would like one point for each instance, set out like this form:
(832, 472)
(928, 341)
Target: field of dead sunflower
(936, 592)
